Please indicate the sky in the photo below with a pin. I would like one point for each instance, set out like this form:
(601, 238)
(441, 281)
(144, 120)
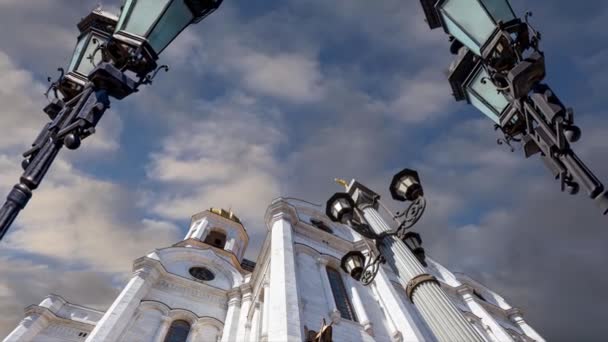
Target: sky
(277, 98)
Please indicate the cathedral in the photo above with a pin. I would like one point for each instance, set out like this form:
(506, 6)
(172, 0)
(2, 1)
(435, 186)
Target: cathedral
(202, 289)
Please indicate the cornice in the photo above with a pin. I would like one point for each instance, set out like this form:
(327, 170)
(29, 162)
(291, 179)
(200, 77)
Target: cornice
(280, 209)
(52, 317)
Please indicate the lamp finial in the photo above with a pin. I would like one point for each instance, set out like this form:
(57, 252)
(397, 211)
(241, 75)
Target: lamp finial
(341, 182)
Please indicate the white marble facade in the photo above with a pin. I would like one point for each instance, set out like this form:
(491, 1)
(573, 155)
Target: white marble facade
(288, 292)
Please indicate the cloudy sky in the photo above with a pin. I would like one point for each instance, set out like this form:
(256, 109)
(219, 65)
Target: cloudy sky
(271, 98)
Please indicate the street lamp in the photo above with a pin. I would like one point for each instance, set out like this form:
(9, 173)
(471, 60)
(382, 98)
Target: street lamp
(499, 69)
(399, 248)
(109, 50)
(146, 28)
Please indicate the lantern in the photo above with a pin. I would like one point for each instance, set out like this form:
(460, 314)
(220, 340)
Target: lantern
(153, 24)
(353, 263)
(406, 186)
(95, 29)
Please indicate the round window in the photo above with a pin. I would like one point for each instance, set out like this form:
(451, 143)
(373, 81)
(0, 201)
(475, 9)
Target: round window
(202, 273)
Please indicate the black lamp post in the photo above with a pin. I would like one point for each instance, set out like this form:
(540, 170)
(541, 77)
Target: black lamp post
(499, 69)
(107, 48)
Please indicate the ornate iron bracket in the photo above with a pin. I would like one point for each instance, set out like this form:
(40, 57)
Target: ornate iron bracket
(410, 216)
(506, 139)
(371, 269)
(54, 84)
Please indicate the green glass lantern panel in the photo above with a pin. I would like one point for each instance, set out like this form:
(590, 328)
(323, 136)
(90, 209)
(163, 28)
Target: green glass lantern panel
(82, 40)
(139, 16)
(485, 96)
(88, 61)
(472, 19)
(461, 36)
(173, 21)
(500, 10)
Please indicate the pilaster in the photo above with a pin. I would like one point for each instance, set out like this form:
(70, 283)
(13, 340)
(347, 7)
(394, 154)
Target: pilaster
(467, 295)
(265, 311)
(118, 316)
(334, 313)
(241, 330)
(232, 316)
(163, 328)
(284, 321)
(29, 327)
(359, 308)
(517, 317)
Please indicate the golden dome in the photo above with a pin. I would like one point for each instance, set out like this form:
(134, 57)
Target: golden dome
(225, 213)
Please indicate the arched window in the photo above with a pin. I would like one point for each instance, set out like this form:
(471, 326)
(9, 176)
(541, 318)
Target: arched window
(337, 288)
(216, 239)
(178, 332)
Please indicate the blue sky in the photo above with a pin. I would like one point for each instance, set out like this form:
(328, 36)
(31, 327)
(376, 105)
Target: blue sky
(279, 97)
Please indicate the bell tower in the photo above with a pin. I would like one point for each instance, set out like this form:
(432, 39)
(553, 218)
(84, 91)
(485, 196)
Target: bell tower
(220, 229)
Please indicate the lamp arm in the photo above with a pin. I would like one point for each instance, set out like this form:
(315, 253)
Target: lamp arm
(74, 122)
(556, 151)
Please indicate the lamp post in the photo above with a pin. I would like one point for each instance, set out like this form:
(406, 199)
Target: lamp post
(400, 248)
(113, 57)
(499, 69)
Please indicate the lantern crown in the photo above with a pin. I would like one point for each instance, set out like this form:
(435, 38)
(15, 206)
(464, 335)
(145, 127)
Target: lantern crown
(406, 186)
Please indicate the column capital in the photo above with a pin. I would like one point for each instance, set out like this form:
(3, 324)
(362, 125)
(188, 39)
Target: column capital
(363, 196)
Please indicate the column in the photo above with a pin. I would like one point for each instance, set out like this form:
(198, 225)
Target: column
(265, 311)
(163, 328)
(516, 316)
(467, 294)
(254, 334)
(334, 313)
(28, 328)
(442, 317)
(116, 318)
(232, 316)
(358, 306)
(243, 324)
(284, 322)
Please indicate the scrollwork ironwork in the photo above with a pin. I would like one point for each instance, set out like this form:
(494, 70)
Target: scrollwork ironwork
(371, 269)
(410, 216)
(54, 84)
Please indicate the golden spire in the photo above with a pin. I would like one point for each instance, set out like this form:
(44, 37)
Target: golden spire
(341, 182)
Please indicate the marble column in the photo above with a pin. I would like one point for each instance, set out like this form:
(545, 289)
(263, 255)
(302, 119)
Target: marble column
(359, 307)
(243, 324)
(265, 311)
(232, 316)
(254, 333)
(441, 315)
(334, 313)
(117, 317)
(478, 310)
(163, 328)
(284, 322)
(516, 317)
(29, 327)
